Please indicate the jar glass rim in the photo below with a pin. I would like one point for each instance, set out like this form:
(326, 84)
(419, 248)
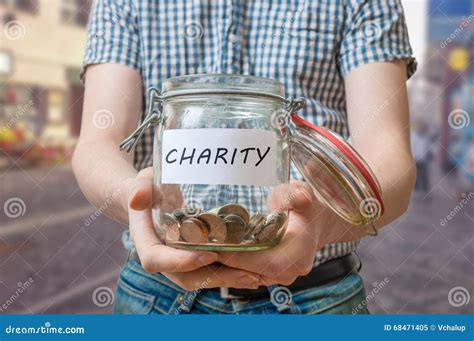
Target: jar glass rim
(223, 82)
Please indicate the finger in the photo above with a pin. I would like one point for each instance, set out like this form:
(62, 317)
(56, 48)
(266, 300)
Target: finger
(215, 276)
(142, 195)
(293, 256)
(296, 195)
(156, 257)
(275, 263)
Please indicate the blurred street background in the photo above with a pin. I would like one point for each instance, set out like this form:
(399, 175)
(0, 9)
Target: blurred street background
(64, 262)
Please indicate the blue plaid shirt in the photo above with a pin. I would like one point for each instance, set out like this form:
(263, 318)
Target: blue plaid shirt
(308, 45)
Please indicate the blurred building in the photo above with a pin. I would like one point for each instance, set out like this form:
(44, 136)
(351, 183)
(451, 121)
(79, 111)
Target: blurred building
(42, 44)
(449, 56)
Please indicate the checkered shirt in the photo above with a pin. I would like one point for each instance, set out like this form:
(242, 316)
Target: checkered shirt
(308, 45)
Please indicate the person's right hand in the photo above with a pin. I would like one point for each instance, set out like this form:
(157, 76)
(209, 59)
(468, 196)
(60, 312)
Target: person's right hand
(187, 268)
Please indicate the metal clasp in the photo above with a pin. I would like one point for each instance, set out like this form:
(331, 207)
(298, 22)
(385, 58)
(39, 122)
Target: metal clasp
(371, 229)
(292, 105)
(152, 119)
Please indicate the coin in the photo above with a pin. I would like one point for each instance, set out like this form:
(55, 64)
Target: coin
(235, 228)
(278, 216)
(273, 223)
(234, 209)
(217, 227)
(256, 222)
(179, 215)
(194, 230)
(171, 226)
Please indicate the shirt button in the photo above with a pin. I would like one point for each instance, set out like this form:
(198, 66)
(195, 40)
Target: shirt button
(233, 38)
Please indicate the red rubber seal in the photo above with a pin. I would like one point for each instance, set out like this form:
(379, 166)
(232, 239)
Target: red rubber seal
(346, 150)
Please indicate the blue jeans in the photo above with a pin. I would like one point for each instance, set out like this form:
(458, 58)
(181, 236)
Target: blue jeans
(139, 292)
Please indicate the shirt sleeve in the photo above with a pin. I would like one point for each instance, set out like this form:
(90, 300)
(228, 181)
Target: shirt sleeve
(374, 31)
(112, 35)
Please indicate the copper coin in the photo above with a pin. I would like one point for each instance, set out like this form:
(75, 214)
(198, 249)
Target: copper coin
(194, 230)
(234, 209)
(217, 227)
(235, 228)
(171, 227)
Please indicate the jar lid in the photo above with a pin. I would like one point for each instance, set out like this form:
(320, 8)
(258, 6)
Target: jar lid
(337, 173)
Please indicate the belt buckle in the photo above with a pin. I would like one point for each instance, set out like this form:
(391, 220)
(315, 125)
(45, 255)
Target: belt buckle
(225, 294)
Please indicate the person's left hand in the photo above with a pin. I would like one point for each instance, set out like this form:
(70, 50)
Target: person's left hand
(307, 231)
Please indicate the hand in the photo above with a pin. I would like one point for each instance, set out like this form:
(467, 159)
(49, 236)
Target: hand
(188, 269)
(309, 226)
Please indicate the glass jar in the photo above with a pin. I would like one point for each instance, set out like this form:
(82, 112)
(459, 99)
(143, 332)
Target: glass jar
(222, 150)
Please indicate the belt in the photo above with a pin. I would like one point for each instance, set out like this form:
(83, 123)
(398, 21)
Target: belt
(325, 273)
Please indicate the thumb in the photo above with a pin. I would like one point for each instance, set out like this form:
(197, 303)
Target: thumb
(141, 194)
(302, 198)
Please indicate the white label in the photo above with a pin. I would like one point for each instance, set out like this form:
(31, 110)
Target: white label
(219, 156)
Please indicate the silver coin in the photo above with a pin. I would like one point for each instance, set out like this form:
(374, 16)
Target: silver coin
(256, 222)
(236, 210)
(278, 216)
(217, 227)
(235, 228)
(179, 215)
(273, 225)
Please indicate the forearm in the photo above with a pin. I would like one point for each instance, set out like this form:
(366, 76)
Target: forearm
(396, 175)
(378, 117)
(113, 92)
(104, 174)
